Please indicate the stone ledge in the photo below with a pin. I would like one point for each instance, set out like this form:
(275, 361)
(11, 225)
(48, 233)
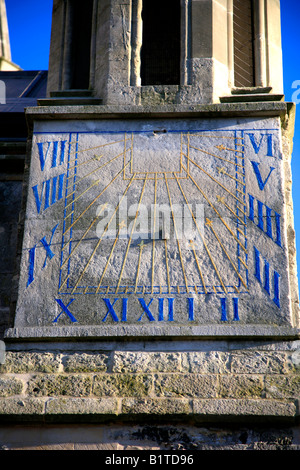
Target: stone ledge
(65, 409)
(131, 331)
(270, 108)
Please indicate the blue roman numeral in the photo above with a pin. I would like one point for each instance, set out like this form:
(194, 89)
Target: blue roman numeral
(235, 302)
(44, 149)
(49, 192)
(265, 212)
(264, 279)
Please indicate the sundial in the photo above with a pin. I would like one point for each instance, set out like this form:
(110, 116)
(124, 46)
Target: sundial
(155, 222)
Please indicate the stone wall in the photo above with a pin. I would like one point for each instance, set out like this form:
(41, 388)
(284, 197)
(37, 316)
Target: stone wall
(209, 384)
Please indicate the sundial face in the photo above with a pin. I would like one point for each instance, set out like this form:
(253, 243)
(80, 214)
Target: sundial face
(158, 222)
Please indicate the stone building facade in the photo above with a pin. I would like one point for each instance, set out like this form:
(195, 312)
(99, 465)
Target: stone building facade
(130, 327)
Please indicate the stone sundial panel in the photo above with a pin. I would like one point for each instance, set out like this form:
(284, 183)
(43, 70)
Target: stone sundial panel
(155, 222)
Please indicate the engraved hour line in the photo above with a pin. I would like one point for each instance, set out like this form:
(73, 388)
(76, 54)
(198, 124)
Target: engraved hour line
(198, 266)
(222, 147)
(204, 243)
(216, 156)
(167, 266)
(153, 241)
(209, 224)
(129, 242)
(122, 224)
(217, 137)
(223, 172)
(174, 224)
(104, 231)
(221, 201)
(216, 181)
(95, 157)
(82, 238)
(141, 245)
(97, 197)
(217, 212)
(94, 148)
(95, 182)
(96, 218)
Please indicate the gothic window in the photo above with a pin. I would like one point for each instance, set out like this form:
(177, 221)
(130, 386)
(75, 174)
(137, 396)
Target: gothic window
(80, 44)
(243, 43)
(160, 52)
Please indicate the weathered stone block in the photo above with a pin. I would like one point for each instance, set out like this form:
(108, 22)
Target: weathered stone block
(249, 407)
(21, 406)
(10, 386)
(88, 406)
(259, 362)
(183, 385)
(122, 385)
(23, 362)
(137, 362)
(83, 362)
(55, 385)
(158, 406)
(279, 386)
(241, 386)
(214, 362)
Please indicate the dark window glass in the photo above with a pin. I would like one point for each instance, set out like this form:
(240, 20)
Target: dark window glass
(160, 54)
(243, 43)
(81, 43)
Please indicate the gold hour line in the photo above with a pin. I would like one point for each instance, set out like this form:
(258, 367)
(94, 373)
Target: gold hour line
(206, 247)
(100, 239)
(243, 262)
(238, 156)
(97, 197)
(94, 148)
(216, 181)
(221, 170)
(198, 266)
(216, 156)
(188, 155)
(108, 224)
(96, 158)
(241, 174)
(178, 244)
(110, 255)
(228, 228)
(131, 153)
(153, 241)
(225, 251)
(86, 266)
(129, 242)
(69, 215)
(181, 149)
(244, 235)
(167, 266)
(82, 238)
(95, 182)
(217, 137)
(91, 186)
(241, 192)
(229, 208)
(221, 147)
(139, 264)
(241, 210)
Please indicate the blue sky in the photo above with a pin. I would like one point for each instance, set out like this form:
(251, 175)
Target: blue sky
(30, 27)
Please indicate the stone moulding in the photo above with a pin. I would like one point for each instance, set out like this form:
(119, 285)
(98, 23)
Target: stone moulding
(131, 331)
